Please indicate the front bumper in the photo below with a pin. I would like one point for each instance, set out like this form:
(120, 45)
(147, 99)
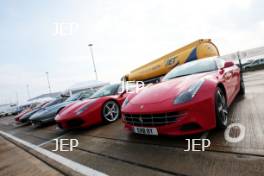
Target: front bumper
(42, 119)
(73, 121)
(69, 123)
(193, 117)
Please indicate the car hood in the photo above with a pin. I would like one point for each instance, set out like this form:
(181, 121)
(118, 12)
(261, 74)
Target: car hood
(58, 106)
(165, 90)
(29, 113)
(50, 110)
(23, 113)
(74, 107)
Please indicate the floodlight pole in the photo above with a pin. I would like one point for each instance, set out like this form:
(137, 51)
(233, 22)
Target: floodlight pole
(47, 74)
(91, 50)
(28, 93)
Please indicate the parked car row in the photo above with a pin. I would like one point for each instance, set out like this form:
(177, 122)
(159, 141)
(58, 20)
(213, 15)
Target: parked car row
(2, 114)
(104, 106)
(191, 98)
(252, 64)
(14, 110)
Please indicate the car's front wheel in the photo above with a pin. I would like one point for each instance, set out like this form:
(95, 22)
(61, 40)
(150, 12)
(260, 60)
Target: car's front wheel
(242, 88)
(110, 111)
(247, 69)
(221, 109)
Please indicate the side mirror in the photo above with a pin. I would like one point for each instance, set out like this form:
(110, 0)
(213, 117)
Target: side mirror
(122, 93)
(228, 64)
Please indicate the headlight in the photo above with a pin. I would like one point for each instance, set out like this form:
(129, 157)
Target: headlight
(85, 107)
(189, 94)
(125, 102)
(57, 117)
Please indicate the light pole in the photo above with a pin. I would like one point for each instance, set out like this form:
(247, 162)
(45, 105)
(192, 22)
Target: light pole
(47, 74)
(17, 101)
(91, 50)
(28, 93)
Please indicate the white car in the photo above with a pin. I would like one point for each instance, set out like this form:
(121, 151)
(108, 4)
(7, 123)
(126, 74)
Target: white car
(2, 114)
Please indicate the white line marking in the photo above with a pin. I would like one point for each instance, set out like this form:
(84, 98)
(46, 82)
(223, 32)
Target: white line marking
(50, 140)
(82, 169)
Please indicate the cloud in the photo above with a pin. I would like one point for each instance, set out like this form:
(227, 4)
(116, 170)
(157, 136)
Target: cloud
(125, 34)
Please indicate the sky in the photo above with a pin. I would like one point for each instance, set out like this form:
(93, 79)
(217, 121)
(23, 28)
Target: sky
(53, 36)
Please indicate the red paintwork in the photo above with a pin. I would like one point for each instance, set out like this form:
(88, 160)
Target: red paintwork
(17, 117)
(200, 110)
(91, 116)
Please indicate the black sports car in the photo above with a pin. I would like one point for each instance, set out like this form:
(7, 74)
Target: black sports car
(25, 117)
(47, 115)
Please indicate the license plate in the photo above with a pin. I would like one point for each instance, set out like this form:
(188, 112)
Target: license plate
(146, 131)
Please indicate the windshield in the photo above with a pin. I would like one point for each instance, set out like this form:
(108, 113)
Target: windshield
(73, 97)
(87, 94)
(40, 105)
(256, 62)
(106, 91)
(199, 66)
(53, 102)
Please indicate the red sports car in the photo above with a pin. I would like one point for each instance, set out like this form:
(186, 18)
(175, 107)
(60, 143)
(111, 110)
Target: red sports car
(103, 106)
(18, 116)
(32, 107)
(191, 98)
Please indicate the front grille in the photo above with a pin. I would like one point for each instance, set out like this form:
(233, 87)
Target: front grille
(152, 119)
(75, 122)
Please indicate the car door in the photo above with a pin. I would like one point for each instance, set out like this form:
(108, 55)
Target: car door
(121, 94)
(228, 78)
(235, 80)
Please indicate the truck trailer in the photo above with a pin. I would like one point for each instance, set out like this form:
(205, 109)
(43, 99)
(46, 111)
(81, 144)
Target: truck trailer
(154, 70)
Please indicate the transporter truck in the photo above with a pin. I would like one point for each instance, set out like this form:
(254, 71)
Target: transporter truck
(153, 71)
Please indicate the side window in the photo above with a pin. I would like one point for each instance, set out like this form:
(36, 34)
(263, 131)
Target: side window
(85, 95)
(220, 63)
(108, 92)
(127, 87)
(120, 88)
(112, 90)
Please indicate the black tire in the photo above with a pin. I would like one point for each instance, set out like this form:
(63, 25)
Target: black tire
(36, 124)
(247, 69)
(221, 109)
(242, 88)
(110, 111)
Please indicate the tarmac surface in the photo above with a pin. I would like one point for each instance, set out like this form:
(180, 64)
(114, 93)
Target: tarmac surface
(112, 150)
(16, 161)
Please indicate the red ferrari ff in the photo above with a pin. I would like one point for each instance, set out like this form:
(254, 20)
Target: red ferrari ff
(103, 106)
(191, 98)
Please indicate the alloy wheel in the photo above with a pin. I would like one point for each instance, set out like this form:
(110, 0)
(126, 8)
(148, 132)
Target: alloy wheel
(111, 111)
(221, 108)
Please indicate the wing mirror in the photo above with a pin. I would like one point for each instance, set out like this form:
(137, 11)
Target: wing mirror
(228, 64)
(122, 93)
